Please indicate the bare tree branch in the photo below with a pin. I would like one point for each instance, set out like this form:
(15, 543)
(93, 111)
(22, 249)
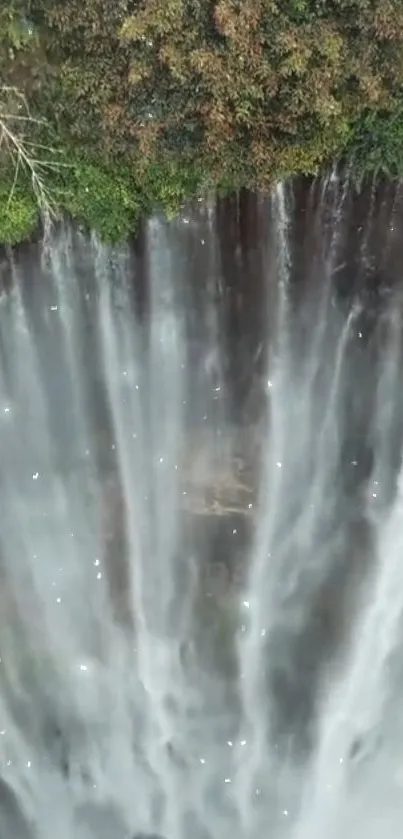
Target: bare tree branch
(24, 153)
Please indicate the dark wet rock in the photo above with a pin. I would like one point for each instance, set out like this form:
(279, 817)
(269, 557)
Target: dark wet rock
(113, 528)
(218, 475)
(364, 746)
(13, 822)
(175, 756)
(355, 750)
(5, 273)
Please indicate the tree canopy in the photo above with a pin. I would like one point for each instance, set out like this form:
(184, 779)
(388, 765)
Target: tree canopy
(164, 99)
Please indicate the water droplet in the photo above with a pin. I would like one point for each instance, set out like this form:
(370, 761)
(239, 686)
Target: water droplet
(234, 531)
(360, 334)
(137, 387)
(202, 760)
(28, 764)
(227, 780)
(250, 506)
(230, 743)
(3, 732)
(257, 791)
(279, 464)
(285, 812)
(243, 742)
(83, 667)
(161, 459)
(7, 410)
(262, 633)
(58, 599)
(35, 476)
(99, 575)
(97, 561)
(246, 603)
(269, 384)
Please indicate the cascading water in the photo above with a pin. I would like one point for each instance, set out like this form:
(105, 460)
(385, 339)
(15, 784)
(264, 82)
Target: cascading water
(200, 559)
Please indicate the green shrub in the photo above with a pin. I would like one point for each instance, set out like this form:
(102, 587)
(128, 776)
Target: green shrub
(168, 184)
(103, 199)
(376, 145)
(19, 215)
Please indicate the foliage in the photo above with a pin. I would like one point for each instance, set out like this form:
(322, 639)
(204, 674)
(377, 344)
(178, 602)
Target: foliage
(272, 87)
(169, 183)
(104, 199)
(377, 145)
(20, 148)
(19, 215)
(16, 31)
(150, 102)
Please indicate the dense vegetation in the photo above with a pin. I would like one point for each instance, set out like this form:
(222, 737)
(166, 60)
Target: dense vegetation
(111, 107)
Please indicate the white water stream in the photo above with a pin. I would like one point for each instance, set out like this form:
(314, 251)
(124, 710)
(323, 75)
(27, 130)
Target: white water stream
(200, 623)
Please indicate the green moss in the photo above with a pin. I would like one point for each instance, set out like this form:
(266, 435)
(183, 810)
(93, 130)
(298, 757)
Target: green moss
(19, 216)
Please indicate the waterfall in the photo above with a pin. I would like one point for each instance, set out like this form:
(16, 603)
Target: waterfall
(201, 609)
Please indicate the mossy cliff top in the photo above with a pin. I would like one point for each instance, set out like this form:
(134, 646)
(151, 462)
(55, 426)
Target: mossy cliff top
(133, 104)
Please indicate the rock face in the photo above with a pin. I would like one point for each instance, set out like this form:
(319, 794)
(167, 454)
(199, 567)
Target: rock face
(224, 494)
(218, 476)
(113, 528)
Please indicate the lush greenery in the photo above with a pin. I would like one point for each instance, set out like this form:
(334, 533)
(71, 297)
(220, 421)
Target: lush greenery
(131, 104)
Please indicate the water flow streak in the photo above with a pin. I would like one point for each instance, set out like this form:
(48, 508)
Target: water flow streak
(201, 612)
